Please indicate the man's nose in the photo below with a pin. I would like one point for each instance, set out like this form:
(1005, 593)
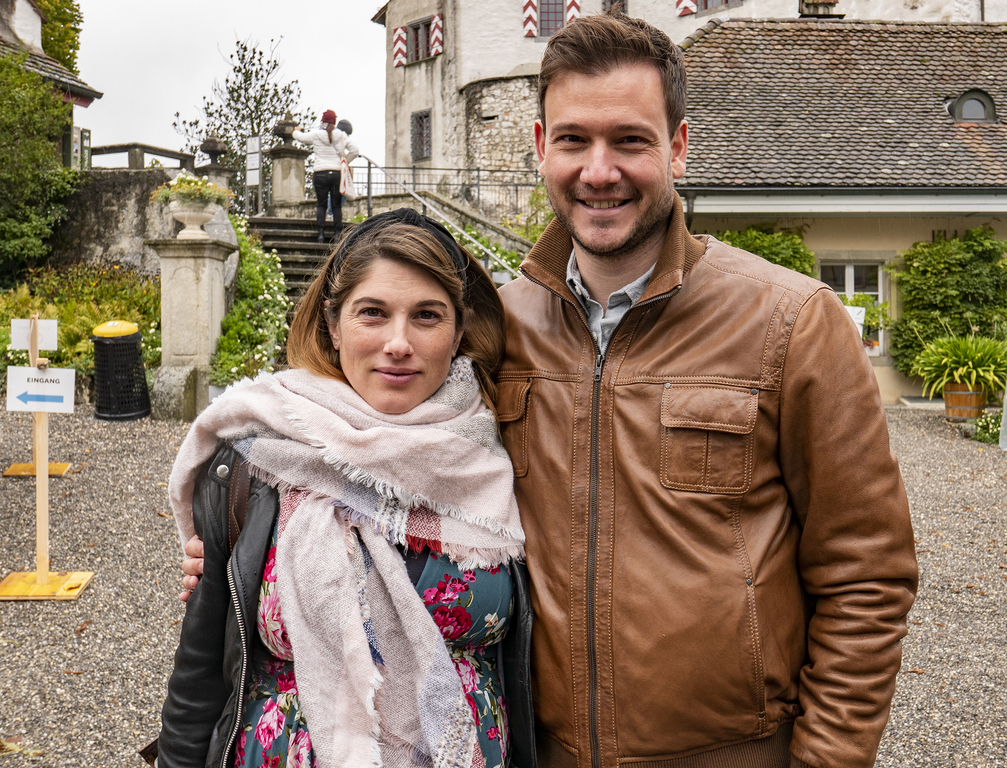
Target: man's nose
(600, 166)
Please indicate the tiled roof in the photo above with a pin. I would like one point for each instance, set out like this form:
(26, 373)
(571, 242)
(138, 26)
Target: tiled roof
(51, 70)
(843, 104)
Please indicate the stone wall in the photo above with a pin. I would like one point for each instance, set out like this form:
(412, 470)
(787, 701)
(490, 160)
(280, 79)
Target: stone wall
(111, 215)
(109, 218)
(499, 119)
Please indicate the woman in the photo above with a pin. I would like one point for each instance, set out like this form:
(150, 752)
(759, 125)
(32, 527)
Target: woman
(362, 617)
(330, 144)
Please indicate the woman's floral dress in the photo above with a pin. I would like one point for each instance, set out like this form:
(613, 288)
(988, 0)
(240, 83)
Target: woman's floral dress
(472, 609)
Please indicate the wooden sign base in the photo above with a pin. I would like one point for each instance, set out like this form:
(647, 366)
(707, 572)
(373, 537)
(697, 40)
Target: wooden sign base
(56, 469)
(61, 585)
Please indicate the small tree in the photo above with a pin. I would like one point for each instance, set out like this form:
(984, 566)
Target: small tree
(61, 31)
(785, 247)
(951, 287)
(33, 181)
(248, 103)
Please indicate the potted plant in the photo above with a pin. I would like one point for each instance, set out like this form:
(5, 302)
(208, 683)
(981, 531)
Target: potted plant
(965, 369)
(876, 318)
(192, 201)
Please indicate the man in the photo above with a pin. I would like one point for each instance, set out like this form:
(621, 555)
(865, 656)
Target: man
(719, 540)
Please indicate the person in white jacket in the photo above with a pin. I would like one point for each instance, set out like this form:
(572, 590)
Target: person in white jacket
(331, 145)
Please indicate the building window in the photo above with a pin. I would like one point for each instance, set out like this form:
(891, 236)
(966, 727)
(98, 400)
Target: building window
(849, 279)
(551, 14)
(420, 131)
(709, 5)
(973, 107)
(418, 40)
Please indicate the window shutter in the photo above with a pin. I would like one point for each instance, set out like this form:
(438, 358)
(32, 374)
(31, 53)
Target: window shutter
(437, 35)
(531, 18)
(399, 47)
(685, 7)
(572, 10)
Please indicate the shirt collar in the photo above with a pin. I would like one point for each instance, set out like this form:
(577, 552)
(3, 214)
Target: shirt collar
(633, 291)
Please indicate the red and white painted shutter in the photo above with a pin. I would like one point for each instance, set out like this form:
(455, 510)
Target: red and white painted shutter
(685, 7)
(437, 35)
(572, 10)
(399, 47)
(530, 18)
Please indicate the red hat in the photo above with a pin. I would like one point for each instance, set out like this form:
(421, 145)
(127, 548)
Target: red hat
(328, 116)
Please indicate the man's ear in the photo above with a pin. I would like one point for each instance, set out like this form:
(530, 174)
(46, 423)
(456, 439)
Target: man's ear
(679, 150)
(540, 141)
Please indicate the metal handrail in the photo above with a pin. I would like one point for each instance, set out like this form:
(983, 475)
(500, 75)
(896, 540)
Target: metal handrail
(489, 254)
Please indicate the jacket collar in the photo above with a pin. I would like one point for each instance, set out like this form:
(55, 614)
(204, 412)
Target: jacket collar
(546, 262)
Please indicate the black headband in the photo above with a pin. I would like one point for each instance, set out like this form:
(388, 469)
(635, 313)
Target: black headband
(402, 216)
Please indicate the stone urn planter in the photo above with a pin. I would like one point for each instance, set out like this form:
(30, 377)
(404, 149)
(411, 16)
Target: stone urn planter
(193, 214)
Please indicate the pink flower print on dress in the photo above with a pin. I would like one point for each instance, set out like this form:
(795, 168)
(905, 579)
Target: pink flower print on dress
(453, 622)
(447, 591)
(270, 573)
(239, 752)
(286, 683)
(270, 724)
(468, 576)
(472, 705)
(493, 733)
(271, 628)
(299, 750)
(470, 679)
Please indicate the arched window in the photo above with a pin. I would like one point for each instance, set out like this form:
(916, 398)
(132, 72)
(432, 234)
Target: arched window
(973, 106)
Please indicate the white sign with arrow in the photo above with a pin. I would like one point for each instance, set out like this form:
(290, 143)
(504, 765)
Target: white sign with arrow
(50, 391)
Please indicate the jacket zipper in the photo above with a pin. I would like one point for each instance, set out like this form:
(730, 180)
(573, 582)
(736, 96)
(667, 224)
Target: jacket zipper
(592, 534)
(244, 665)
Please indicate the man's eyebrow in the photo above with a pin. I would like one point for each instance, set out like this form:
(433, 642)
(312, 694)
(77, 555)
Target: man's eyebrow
(575, 127)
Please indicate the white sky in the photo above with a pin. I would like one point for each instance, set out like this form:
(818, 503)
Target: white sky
(152, 59)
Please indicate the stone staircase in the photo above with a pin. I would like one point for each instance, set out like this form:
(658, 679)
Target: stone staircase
(295, 241)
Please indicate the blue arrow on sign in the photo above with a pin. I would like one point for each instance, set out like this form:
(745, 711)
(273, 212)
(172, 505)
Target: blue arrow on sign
(25, 398)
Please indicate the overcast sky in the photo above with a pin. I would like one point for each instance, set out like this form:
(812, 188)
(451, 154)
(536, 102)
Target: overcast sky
(153, 59)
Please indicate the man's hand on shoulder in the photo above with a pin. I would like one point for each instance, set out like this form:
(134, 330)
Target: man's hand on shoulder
(192, 566)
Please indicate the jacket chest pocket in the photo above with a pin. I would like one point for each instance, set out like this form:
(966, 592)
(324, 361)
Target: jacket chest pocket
(707, 438)
(513, 415)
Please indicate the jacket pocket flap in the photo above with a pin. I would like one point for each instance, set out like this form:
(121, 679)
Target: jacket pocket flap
(718, 409)
(512, 399)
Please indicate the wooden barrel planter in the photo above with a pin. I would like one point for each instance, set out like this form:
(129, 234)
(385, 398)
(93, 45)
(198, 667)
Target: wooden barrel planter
(961, 403)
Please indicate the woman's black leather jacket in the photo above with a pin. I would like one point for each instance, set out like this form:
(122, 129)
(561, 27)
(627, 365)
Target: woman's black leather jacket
(202, 714)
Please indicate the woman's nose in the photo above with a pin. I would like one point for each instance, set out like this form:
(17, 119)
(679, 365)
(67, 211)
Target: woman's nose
(398, 344)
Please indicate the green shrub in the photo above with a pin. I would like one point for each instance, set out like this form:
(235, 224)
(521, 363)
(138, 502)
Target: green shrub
(78, 298)
(978, 361)
(255, 328)
(988, 427)
(511, 258)
(532, 224)
(876, 317)
(785, 247)
(951, 287)
(33, 181)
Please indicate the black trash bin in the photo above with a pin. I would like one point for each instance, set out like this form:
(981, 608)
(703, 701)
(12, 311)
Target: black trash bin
(120, 386)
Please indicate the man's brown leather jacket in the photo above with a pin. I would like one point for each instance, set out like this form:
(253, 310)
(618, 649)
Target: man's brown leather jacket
(719, 539)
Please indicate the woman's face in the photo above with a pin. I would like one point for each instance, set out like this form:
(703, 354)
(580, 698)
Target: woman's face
(396, 335)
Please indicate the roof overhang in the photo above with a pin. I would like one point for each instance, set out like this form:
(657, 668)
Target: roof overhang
(708, 201)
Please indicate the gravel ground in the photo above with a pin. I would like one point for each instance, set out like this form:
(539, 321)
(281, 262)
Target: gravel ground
(82, 681)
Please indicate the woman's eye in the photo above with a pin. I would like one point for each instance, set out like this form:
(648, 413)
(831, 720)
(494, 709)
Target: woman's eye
(371, 312)
(426, 314)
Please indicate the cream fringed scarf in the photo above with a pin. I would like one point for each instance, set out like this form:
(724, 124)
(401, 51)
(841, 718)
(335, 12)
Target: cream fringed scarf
(374, 675)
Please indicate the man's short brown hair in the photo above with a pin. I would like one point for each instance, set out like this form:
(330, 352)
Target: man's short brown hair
(597, 44)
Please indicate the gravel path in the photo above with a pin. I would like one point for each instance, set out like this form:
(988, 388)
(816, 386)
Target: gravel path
(82, 681)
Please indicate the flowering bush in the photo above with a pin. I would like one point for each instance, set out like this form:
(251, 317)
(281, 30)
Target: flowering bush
(254, 330)
(988, 427)
(185, 186)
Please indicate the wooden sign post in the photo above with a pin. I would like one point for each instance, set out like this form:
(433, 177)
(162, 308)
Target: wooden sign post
(41, 390)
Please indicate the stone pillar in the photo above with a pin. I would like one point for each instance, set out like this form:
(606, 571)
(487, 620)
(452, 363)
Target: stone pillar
(192, 307)
(287, 180)
(214, 171)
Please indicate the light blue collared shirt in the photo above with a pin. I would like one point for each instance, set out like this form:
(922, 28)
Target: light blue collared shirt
(602, 322)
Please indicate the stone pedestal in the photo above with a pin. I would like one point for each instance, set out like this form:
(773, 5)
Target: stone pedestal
(287, 178)
(217, 174)
(192, 307)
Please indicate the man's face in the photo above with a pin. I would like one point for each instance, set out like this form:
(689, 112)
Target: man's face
(608, 158)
